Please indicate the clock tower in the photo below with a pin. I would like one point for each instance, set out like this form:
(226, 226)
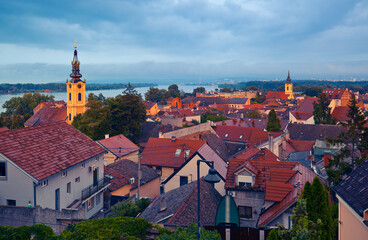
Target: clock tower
(289, 87)
(76, 90)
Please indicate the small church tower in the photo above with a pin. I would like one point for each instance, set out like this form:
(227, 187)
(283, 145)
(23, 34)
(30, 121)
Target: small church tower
(76, 90)
(289, 87)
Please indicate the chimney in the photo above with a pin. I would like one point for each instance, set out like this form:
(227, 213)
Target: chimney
(270, 142)
(173, 138)
(287, 134)
(107, 136)
(253, 125)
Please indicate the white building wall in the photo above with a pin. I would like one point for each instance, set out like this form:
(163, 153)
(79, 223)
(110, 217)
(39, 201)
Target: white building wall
(16, 186)
(46, 195)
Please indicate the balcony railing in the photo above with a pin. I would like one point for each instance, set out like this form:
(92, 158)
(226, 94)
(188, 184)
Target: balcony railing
(87, 192)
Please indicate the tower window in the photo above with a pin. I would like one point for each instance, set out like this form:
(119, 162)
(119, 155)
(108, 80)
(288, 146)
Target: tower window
(70, 116)
(70, 96)
(79, 97)
(288, 88)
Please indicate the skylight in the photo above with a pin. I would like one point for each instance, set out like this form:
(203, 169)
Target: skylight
(226, 135)
(177, 153)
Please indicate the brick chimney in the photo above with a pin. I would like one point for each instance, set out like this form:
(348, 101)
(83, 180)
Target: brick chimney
(270, 142)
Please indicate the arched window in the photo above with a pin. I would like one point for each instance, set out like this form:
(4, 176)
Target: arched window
(70, 96)
(79, 97)
(70, 116)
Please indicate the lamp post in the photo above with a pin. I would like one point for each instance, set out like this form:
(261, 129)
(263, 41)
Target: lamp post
(211, 177)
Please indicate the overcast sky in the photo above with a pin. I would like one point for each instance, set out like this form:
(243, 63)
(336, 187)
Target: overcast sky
(186, 40)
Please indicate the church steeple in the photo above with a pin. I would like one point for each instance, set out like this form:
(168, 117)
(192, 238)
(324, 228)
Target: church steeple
(75, 75)
(288, 80)
(76, 90)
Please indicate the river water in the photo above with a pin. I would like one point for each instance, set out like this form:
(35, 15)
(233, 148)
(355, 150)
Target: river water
(106, 93)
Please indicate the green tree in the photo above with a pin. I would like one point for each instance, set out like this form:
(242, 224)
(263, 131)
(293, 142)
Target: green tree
(127, 115)
(253, 114)
(100, 97)
(173, 91)
(313, 91)
(354, 138)
(190, 233)
(273, 124)
(212, 117)
(198, 90)
(157, 95)
(128, 208)
(96, 121)
(25, 104)
(260, 98)
(130, 90)
(226, 90)
(321, 112)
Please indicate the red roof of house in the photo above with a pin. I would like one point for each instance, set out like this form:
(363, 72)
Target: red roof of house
(334, 93)
(301, 146)
(119, 145)
(47, 115)
(255, 153)
(341, 113)
(162, 151)
(2, 129)
(302, 115)
(117, 181)
(258, 137)
(45, 150)
(276, 95)
(148, 104)
(276, 191)
(254, 106)
(307, 105)
(234, 133)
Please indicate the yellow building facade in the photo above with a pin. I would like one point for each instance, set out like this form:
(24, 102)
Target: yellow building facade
(289, 87)
(76, 90)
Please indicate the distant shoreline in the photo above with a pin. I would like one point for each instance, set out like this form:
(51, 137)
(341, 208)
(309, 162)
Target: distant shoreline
(6, 88)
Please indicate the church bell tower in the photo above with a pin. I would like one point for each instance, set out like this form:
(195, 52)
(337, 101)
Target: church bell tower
(76, 90)
(289, 87)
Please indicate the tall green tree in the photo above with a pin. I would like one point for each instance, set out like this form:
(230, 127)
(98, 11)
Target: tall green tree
(253, 114)
(198, 90)
(273, 124)
(130, 89)
(96, 121)
(174, 91)
(25, 104)
(354, 139)
(321, 112)
(157, 95)
(127, 115)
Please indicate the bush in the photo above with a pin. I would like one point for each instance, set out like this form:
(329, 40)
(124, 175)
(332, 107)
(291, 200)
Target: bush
(190, 233)
(40, 232)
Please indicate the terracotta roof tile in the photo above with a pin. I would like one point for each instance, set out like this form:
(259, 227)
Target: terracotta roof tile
(119, 145)
(47, 149)
(341, 113)
(118, 180)
(276, 95)
(47, 115)
(276, 191)
(235, 134)
(301, 146)
(162, 151)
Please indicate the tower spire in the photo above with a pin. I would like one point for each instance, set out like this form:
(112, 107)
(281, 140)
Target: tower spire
(288, 77)
(75, 75)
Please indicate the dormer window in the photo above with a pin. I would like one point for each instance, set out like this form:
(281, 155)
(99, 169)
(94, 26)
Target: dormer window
(186, 154)
(245, 178)
(177, 153)
(241, 136)
(226, 135)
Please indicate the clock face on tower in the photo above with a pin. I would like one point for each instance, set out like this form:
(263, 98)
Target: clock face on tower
(79, 86)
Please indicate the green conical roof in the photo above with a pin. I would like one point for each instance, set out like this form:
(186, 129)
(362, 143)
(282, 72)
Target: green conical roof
(227, 212)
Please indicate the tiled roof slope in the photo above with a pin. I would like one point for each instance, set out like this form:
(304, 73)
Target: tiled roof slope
(161, 151)
(341, 113)
(257, 137)
(335, 93)
(118, 180)
(255, 153)
(354, 189)
(129, 170)
(217, 144)
(119, 145)
(301, 146)
(45, 150)
(309, 132)
(148, 104)
(250, 122)
(307, 105)
(181, 206)
(47, 115)
(276, 95)
(235, 134)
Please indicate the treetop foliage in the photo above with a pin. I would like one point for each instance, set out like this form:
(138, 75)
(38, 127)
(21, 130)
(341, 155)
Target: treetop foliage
(273, 124)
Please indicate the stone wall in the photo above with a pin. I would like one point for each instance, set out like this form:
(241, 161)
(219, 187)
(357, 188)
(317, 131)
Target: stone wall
(57, 220)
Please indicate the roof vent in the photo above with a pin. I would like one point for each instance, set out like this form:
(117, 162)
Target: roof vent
(132, 180)
(173, 139)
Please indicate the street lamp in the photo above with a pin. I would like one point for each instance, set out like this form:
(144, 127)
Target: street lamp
(211, 177)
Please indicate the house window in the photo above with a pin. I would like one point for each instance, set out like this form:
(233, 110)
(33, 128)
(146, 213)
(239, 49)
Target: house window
(245, 184)
(69, 187)
(177, 153)
(90, 203)
(2, 170)
(44, 183)
(70, 116)
(159, 170)
(245, 212)
(64, 174)
(70, 96)
(77, 179)
(79, 97)
(11, 202)
(183, 180)
(83, 165)
(187, 152)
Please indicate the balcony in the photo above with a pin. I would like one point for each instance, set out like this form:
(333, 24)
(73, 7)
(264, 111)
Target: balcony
(89, 191)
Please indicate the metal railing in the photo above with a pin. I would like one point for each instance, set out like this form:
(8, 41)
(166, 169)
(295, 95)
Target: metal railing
(87, 192)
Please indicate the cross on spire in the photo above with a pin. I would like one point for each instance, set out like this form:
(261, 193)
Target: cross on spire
(75, 42)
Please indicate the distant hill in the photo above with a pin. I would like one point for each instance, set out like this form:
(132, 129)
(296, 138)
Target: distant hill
(61, 87)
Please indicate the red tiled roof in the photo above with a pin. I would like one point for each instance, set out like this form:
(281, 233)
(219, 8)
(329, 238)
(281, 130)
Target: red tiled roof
(119, 145)
(47, 115)
(161, 151)
(302, 115)
(307, 105)
(276, 191)
(148, 104)
(45, 150)
(254, 106)
(235, 134)
(334, 93)
(276, 95)
(301, 146)
(118, 180)
(341, 113)
(2, 129)
(257, 138)
(257, 154)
